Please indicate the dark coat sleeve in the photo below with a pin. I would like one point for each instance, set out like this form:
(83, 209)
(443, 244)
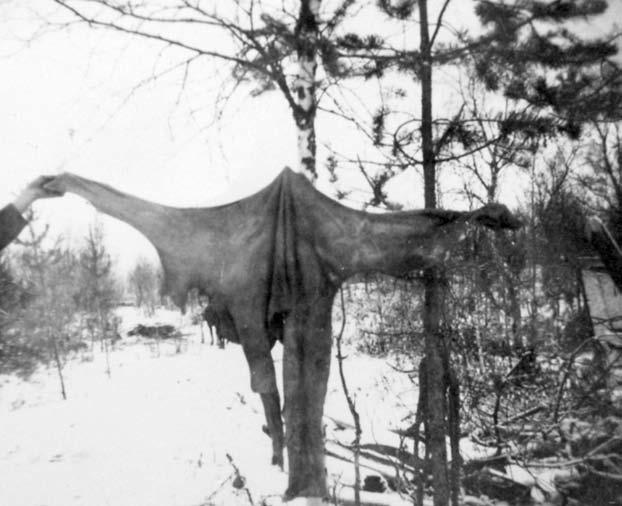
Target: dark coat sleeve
(11, 224)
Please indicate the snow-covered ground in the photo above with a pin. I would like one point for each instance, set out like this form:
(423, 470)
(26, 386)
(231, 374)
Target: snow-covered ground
(157, 432)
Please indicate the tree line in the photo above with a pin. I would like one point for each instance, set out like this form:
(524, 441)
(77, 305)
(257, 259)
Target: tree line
(56, 299)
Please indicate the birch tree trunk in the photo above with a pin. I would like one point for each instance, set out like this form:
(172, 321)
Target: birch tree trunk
(304, 87)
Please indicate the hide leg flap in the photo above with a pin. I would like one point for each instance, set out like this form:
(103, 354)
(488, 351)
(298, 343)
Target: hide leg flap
(263, 376)
(306, 365)
(256, 346)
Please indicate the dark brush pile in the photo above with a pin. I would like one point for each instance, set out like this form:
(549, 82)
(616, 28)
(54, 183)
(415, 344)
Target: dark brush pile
(154, 331)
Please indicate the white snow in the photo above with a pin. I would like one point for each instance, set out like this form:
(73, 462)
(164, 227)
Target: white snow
(158, 430)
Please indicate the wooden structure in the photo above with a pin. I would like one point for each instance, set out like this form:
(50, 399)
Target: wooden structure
(603, 290)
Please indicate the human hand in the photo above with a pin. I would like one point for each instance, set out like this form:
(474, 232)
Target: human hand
(56, 185)
(43, 187)
(37, 189)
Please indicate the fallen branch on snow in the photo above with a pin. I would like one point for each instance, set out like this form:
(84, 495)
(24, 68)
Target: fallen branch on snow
(240, 482)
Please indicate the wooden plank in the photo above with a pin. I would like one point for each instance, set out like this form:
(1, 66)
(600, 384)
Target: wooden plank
(604, 301)
(605, 307)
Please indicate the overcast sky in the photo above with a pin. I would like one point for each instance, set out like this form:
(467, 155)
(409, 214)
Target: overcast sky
(69, 102)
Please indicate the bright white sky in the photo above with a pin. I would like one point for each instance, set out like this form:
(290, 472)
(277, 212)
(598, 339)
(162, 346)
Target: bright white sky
(67, 105)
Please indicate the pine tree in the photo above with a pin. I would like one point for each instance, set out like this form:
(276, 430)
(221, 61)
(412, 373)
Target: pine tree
(556, 82)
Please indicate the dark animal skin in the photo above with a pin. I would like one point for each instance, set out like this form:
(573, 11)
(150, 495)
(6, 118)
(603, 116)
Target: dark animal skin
(272, 264)
(214, 319)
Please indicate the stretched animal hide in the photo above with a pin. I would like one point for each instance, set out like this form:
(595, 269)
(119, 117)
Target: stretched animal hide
(289, 241)
(271, 264)
(286, 246)
(262, 244)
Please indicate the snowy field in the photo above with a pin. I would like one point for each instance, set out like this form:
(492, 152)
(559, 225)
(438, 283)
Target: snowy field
(157, 432)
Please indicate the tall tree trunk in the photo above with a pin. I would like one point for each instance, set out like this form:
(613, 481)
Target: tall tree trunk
(304, 85)
(434, 349)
